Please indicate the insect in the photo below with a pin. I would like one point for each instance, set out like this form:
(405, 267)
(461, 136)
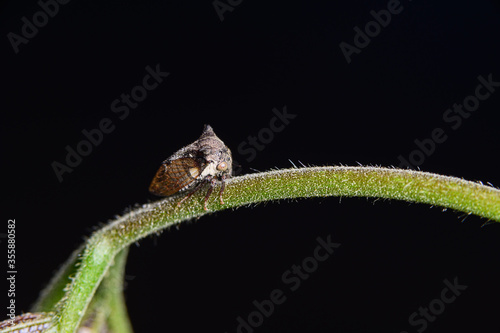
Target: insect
(205, 161)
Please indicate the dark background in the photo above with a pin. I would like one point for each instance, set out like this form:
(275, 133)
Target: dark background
(231, 74)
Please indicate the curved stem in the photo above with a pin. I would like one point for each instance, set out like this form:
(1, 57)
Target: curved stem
(414, 186)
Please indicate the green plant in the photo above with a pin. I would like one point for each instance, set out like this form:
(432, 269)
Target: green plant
(89, 285)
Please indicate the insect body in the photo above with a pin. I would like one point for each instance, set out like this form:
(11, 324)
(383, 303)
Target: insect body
(207, 160)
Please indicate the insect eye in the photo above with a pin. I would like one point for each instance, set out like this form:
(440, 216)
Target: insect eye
(222, 166)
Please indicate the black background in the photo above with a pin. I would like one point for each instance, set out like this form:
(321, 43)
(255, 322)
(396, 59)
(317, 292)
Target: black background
(231, 74)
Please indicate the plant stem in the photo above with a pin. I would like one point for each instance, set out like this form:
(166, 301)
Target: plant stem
(118, 320)
(413, 186)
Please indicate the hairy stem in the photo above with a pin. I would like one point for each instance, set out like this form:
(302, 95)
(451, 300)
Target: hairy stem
(413, 186)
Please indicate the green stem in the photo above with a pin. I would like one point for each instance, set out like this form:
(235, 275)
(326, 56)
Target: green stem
(107, 311)
(54, 291)
(118, 320)
(414, 186)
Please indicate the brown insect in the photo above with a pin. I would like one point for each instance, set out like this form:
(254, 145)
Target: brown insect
(205, 161)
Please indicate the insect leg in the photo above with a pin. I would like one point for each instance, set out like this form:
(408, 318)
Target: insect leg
(222, 187)
(209, 192)
(193, 191)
